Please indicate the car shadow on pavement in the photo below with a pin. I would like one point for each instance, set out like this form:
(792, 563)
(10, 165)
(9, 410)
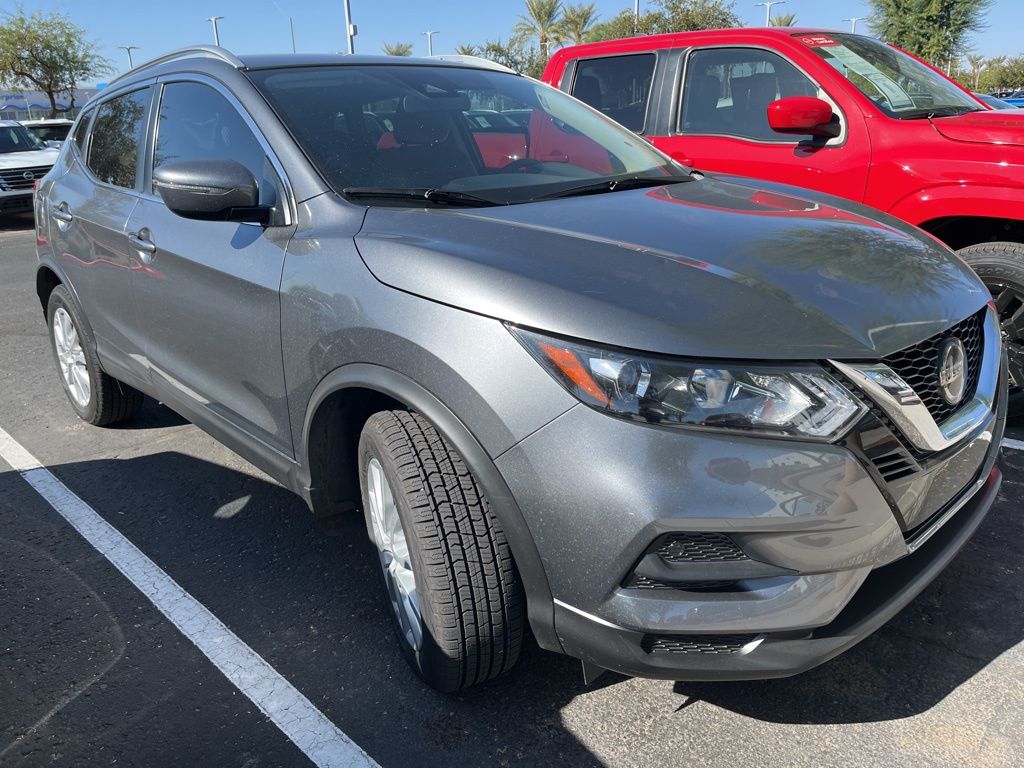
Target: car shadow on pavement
(967, 617)
(307, 597)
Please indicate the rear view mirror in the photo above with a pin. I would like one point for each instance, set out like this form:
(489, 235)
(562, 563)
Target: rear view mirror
(213, 190)
(803, 115)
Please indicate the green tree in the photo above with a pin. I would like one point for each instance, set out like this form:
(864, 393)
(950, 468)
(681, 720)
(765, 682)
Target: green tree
(977, 63)
(48, 53)
(784, 20)
(467, 50)
(398, 49)
(516, 56)
(577, 21)
(670, 16)
(542, 22)
(935, 30)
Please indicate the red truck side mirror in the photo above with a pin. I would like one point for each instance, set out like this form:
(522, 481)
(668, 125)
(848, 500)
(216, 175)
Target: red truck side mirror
(803, 115)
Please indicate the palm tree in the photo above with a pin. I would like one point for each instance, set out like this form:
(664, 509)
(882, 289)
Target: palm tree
(784, 20)
(543, 21)
(398, 49)
(577, 21)
(977, 63)
(467, 50)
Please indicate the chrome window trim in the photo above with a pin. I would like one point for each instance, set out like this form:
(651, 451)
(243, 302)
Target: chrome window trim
(288, 207)
(903, 405)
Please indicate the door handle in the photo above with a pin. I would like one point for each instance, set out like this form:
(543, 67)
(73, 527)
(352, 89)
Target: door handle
(62, 214)
(142, 243)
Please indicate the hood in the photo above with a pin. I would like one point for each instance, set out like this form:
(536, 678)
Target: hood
(1002, 126)
(709, 268)
(31, 159)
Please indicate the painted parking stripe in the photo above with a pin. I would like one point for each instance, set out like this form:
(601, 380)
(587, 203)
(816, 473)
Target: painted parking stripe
(307, 727)
(1017, 445)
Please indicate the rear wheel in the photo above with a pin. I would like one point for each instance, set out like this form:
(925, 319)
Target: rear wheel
(1001, 267)
(452, 587)
(96, 397)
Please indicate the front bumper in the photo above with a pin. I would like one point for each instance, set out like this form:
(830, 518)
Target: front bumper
(15, 202)
(597, 491)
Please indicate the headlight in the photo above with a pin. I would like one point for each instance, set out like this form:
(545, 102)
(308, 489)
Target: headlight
(802, 401)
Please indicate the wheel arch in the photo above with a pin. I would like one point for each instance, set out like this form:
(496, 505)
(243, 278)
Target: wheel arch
(962, 231)
(46, 280)
(334, 418)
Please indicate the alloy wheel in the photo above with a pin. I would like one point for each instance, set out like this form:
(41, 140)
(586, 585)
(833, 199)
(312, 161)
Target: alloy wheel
(71, 358)
(393, 551)
(1009, 301)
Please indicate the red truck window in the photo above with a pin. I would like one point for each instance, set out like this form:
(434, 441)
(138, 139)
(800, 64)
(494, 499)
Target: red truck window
(727, 91)
(618, 86)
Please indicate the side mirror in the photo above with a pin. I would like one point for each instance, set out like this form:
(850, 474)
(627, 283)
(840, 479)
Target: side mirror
(803, 115)
(212, 190)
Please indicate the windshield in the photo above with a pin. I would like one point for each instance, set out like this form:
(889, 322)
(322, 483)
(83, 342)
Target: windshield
(900, 85)
(495, 136)
(14, 138)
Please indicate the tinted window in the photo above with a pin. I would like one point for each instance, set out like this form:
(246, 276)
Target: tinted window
(728, 90)
(197, 123)
(116, 135)
(618, 86)
(81, 131)
(15, 138)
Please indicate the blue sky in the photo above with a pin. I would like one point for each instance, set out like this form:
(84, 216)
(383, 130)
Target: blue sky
(262, 25)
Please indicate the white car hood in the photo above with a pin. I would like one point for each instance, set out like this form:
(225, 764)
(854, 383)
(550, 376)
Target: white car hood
(32, 159)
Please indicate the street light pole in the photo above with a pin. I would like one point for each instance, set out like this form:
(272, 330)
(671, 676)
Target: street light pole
(291, 26)
(128, 49)
(768, 9)
(430, 40)
(216, 33)
(853, 21)
(350, 29)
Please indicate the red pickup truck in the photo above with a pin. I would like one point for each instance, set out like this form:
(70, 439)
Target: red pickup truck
(840, 113)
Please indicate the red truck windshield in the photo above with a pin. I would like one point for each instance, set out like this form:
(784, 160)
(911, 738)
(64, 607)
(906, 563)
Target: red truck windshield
(900, 85)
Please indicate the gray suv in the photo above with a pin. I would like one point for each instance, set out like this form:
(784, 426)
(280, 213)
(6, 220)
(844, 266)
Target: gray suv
(675, 425)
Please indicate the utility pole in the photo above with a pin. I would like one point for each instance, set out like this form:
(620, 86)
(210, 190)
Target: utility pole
(128, 49)
(430, 40)
(768, 9)
(350, 29)
(216, 33)
(291, 26)
(853, 21)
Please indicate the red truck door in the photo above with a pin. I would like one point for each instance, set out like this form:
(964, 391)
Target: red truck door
(721, 123)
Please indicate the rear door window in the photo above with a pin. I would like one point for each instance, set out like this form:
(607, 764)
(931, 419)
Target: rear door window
(727, 91)
(117, 133)
(618, 86)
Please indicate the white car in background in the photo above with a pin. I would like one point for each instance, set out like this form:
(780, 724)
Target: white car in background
(24, 157)
(55, 130)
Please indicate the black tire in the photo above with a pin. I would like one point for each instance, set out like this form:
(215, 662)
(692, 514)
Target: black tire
(110, 400)
(471, 600)
(1001, 267)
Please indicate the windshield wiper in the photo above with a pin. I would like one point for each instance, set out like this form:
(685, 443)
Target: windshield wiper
(939, 112)
(613, 185)
(442, 196)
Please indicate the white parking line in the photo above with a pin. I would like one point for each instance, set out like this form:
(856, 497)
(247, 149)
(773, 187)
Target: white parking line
(307, 727)
(1017, 445)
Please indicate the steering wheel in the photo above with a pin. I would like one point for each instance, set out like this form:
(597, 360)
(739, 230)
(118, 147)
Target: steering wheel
(524, 164)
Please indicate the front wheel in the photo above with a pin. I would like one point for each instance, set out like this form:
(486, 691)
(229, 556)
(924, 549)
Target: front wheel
(1001, 267)
(453, 590)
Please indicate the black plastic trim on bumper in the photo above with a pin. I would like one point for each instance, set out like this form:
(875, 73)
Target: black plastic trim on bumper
(16, 203)
(884, 593)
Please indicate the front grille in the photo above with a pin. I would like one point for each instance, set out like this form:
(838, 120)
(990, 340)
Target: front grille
(919, 365)
(14, 178)
(892, 464)
(699, 548)
(711, 645)
(645, 582)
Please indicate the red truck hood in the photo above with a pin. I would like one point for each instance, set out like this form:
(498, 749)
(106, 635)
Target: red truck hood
(990, 127)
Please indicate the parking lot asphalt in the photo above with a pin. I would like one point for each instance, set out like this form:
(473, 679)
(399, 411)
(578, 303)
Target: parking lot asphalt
(93, 674)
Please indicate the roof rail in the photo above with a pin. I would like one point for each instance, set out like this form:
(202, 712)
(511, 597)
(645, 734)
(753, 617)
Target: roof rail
(472, 61)
(208, 51)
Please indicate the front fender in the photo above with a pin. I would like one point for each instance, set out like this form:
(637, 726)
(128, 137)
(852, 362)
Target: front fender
(987, 201)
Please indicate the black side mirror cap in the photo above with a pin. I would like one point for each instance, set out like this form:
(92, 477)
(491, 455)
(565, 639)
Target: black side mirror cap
(211, 190)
